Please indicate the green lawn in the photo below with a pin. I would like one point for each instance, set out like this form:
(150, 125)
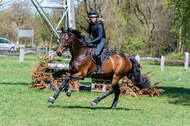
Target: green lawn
(22, 106)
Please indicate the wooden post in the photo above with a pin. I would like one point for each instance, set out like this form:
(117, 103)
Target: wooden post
(92, 86)
(137, 57)
(162, 63)
(21, 56)
(186, 61)
(104, 87)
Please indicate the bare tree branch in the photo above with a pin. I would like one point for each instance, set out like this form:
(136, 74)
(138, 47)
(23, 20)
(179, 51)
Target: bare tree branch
(86, 7)
(105, 7)
(94, 4)
(151, 8)
(142, 22)
(143, 15)
(86, 18)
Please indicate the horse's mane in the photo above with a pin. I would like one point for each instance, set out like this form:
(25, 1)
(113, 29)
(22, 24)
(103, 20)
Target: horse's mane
(78, 34)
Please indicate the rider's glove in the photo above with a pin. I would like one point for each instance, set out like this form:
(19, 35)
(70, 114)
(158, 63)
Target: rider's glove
(90, 44)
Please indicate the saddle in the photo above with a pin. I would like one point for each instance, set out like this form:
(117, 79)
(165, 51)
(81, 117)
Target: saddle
(104, 54)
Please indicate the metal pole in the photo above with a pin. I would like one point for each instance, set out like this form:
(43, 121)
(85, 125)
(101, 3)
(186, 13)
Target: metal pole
(61, 19)
(66, 17)
(71, 14)
(1, 2)
(46, 20)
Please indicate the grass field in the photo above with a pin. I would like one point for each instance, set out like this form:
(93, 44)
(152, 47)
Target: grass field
(22, 106)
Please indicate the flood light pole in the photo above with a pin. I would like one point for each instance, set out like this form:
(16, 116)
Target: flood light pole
(68, 14)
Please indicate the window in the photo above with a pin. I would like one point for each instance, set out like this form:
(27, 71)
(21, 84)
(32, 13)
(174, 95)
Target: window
(3, 41)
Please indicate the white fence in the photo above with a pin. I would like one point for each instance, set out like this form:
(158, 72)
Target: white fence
(162, 61)
(137, 57)
(38, 51)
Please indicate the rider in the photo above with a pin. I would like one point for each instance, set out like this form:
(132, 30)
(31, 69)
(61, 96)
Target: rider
(96, 29)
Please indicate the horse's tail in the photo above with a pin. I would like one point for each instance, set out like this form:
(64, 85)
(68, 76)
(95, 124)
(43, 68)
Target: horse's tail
(135, 75)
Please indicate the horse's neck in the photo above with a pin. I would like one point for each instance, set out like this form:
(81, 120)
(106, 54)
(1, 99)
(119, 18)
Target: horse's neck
(78, 49)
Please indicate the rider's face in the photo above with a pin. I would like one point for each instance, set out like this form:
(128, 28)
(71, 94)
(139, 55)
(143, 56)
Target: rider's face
(93, 20)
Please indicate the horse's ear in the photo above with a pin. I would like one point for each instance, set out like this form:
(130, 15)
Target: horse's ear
(62, 29)
(68, 30)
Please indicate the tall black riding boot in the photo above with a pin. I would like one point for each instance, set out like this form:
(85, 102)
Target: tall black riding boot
(99, 65)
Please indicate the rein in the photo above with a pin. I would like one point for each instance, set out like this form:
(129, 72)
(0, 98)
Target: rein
(81, 46)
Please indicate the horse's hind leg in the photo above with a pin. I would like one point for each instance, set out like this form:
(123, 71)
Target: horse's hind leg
(117, 92)
(114, 86)
(98, 99)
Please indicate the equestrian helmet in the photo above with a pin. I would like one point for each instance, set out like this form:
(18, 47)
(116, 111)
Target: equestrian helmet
(93, 14)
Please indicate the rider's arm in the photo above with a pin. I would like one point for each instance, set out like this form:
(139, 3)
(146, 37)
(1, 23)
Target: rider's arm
(100, 30)
(88, 34)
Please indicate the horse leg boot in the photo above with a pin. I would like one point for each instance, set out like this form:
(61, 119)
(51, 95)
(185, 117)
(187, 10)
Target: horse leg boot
(98, 99)
(66, 90)
(52, 99)
(117, 92)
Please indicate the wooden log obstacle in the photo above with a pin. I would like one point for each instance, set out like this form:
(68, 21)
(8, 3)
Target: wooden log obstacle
(97, 85)
(100, 84)
(50, 76)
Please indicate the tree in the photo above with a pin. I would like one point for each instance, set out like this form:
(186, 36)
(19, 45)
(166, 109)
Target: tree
(146, 18)
(182, 23)
(11, 19)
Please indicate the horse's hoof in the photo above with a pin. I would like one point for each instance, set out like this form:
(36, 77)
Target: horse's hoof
(68, 93)
(111, 107)
(93, 104)
(51, 101)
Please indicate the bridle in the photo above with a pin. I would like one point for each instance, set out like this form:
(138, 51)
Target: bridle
(69, 41)
(65, 45)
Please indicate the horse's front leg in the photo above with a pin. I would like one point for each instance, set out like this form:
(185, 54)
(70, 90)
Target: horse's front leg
(64, 85)
(66, 89)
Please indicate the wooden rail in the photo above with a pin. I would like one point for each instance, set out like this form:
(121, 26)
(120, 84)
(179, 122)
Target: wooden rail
(186, 61)
(158, 60)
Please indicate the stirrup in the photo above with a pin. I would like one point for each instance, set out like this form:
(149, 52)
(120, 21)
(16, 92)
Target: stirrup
(99, 71)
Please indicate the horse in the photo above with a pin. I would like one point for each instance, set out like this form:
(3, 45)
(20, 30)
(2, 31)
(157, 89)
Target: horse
(116, 66)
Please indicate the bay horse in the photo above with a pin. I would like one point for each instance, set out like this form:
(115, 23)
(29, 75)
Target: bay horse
(115, 66)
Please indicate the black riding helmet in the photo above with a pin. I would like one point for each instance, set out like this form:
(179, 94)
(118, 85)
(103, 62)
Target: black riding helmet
(93, 14)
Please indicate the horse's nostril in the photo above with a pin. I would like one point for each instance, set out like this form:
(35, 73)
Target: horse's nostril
(59, 53)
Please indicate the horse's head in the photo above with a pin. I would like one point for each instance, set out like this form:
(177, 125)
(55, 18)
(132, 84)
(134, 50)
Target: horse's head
(65, 41)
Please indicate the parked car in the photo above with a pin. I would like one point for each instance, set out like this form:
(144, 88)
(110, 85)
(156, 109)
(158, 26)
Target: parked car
(6, 44)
